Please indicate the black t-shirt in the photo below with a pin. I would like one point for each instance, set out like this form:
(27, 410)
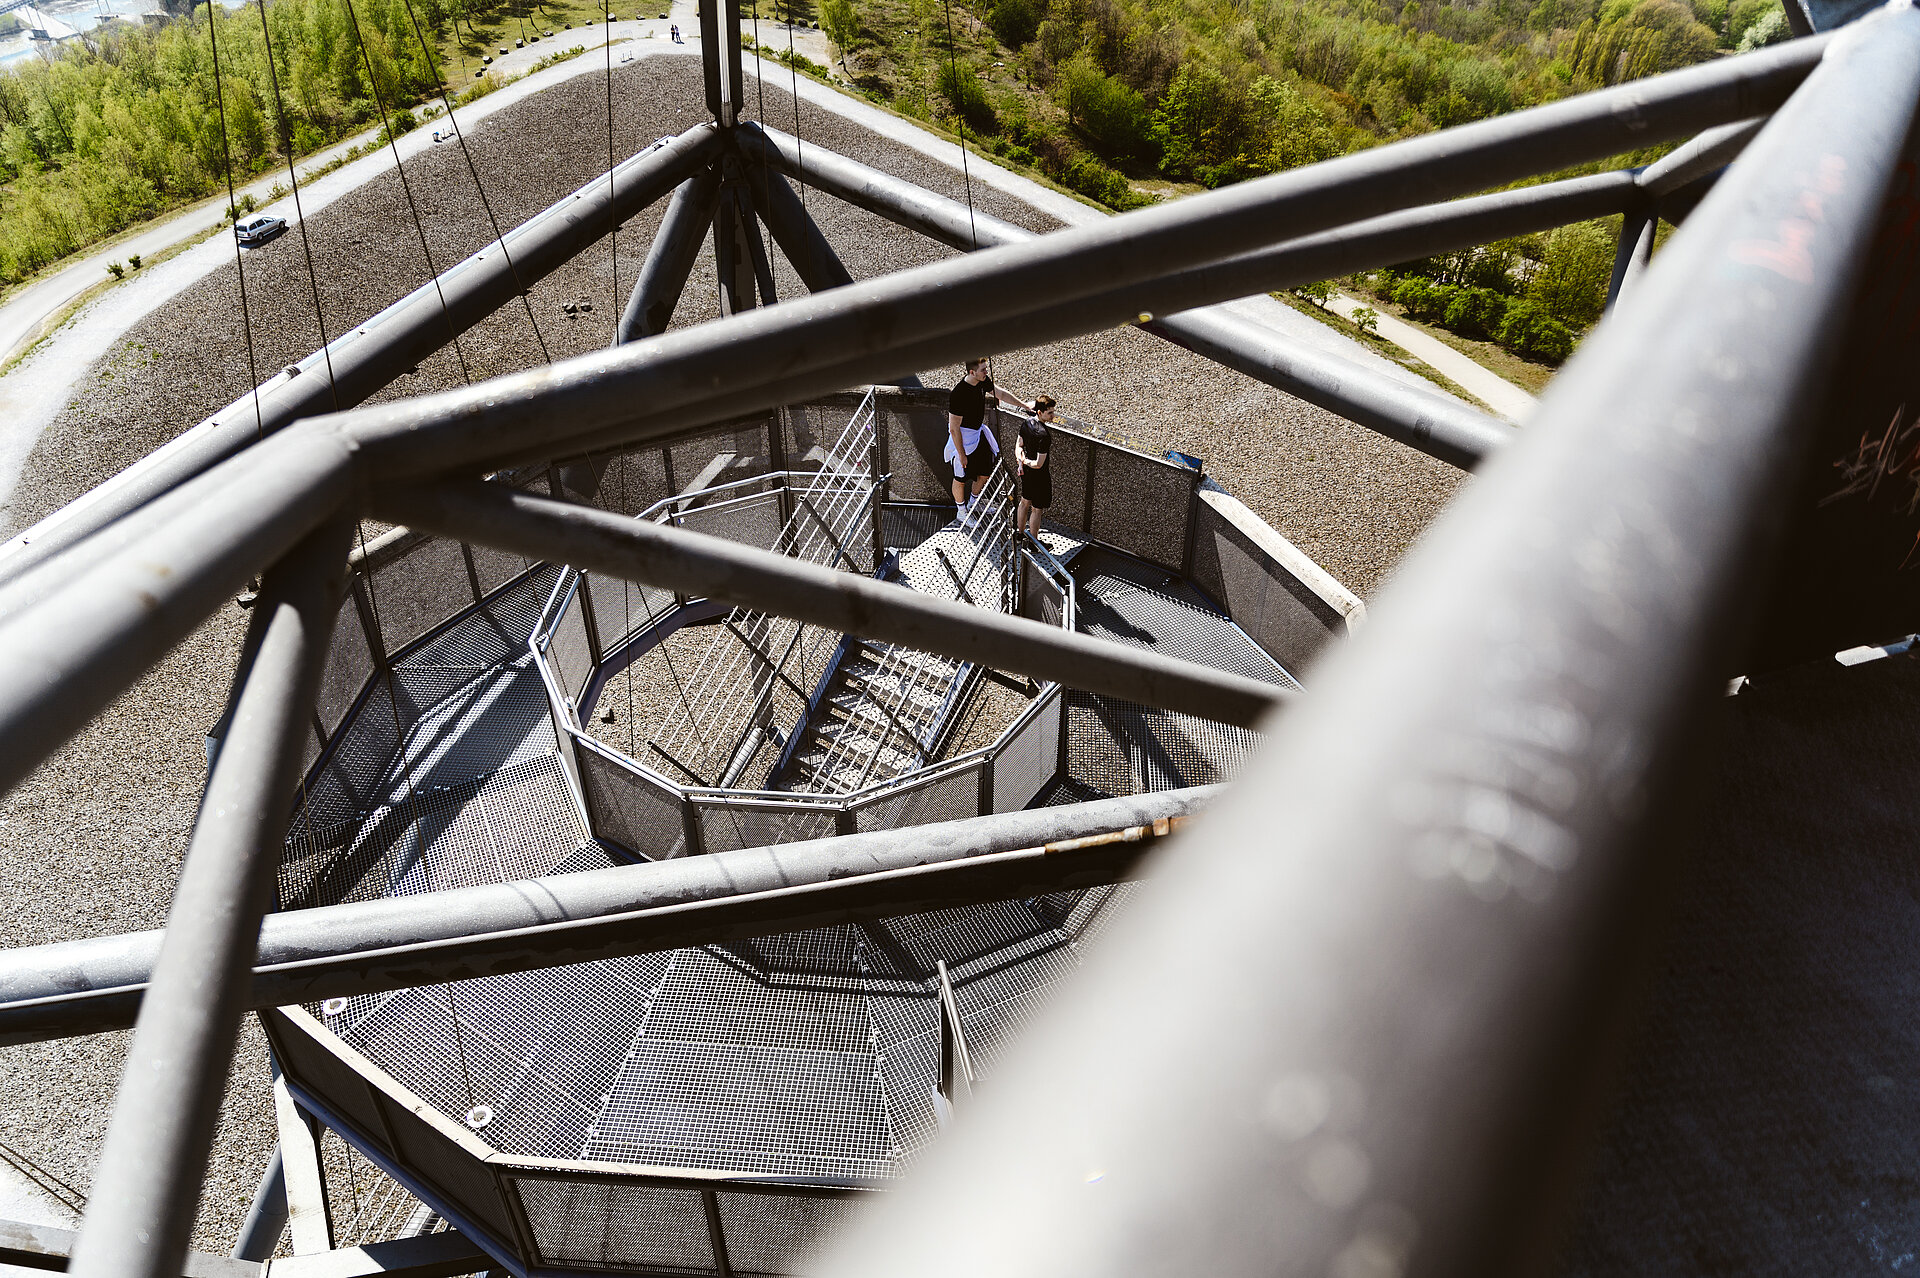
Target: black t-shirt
(969, 402)
(1035, 439)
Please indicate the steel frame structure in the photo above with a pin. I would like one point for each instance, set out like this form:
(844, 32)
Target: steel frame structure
(1417, 960)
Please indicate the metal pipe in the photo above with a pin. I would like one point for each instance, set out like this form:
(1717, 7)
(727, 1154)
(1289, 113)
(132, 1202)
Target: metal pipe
(1632, 253)
(1436, 425)
(630, 390)
(794, 230)
(1713, 149)
(383, 348)
(696, 564)
(267, 1217)
(147, 1185)
(1382, 981)
(164, 570)
(670, 257)
(94, 985)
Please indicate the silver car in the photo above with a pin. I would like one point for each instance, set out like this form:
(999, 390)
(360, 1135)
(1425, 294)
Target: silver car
(253, 230)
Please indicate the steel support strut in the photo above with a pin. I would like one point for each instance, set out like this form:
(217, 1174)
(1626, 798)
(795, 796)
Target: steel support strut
(794, 230)
(1385, 979)
(670, 257)
(86, 987)
(153, 1161)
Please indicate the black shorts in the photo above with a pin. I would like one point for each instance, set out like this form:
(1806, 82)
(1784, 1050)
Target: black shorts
(980, 461)
(1036, 487)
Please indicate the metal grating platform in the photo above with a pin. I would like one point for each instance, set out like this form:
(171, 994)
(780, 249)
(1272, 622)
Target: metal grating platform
(809, 1056)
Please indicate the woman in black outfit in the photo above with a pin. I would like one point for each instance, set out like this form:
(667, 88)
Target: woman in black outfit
(1036, 480)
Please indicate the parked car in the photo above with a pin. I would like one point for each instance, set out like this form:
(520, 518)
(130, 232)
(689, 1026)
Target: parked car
(253, 230)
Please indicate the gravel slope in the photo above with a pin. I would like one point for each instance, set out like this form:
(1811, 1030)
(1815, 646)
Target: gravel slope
(91, 842)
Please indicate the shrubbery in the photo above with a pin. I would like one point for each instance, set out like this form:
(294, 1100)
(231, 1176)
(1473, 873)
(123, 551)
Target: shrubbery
(1522, 325)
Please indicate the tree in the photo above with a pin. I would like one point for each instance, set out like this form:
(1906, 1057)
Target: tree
(842, 25)
(1575, 269)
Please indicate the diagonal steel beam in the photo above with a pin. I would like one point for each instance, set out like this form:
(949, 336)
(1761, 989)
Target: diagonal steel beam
(670, 257)
(845, 603)
(94, 985)
(144, 1193)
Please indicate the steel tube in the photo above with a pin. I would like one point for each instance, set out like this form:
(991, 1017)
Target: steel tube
(267, 1218)
(696, 564)
(763, 355)
(89, 986)
(141, 1206)
(163, 571)
(1382, 983)
(374, 353)
(1713, 149)
(1632, 253)
(670, 257)
(1436, 425)
(813, 259)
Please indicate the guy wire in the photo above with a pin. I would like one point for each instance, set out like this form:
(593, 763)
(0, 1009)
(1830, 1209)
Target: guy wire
(393, 144)
(486, 204)
(233, 203)
(293, 175)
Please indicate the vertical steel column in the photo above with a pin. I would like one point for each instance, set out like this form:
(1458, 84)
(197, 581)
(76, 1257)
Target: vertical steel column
(720, 59)
(732, 253)
(1386, 973)
(1632, 254)
(670, 258)
(152, 1164)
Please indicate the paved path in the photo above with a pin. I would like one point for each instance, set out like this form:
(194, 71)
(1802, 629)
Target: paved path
(1499, 394)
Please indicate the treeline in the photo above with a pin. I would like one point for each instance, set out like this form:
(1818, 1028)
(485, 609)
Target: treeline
(1112, 96)
(1213, 91)
(113, 130)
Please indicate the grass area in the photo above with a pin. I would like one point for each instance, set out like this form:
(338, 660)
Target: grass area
(1524, 373)
(474, 36)
(1383, 347)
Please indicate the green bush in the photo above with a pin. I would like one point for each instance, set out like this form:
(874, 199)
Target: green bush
(1576, 265)
(841, 22)
(1096, 181)
(960, 85)
(1016, 22)
(1423, 299)
(1319, 293)
(1475, 312)
(1114, 116)
(1531, 333)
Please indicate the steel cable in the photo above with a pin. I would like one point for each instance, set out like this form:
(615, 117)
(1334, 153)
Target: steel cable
(393, 144)
(479, 188)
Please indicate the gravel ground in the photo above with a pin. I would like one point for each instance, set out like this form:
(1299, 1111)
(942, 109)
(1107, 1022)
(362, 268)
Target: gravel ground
(91, 842)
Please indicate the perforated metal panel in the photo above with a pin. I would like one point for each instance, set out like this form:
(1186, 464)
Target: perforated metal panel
(1141, 505)
(1028, 759)
(627, 808)
(601, 1223)
(780, 1233)
(732, 825)
(419, 590)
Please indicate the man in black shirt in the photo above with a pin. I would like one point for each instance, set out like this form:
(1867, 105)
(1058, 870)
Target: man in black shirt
(1036, 480)
(971, 448)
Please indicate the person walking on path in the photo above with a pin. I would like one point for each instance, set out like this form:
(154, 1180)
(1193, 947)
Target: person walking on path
(1036, 480)
(971, 448)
